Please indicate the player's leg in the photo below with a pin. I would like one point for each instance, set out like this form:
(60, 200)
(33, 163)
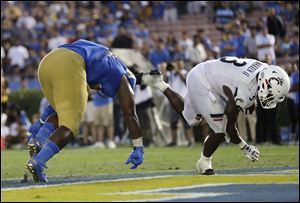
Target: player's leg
(175, 99)
(197, 100)
(35, 144)
(37, 141)
(202, 100)
(210, 145)
(68, 79)
(155, 79)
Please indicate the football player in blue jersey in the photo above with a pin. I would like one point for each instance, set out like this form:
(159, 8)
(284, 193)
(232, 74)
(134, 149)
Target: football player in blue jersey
(66, 75)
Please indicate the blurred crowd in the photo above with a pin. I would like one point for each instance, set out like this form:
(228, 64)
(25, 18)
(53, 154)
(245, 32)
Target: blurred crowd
(29, 30)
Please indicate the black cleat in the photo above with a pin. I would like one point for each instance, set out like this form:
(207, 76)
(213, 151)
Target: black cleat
(209, 172)
(25, 178)
(37, 170)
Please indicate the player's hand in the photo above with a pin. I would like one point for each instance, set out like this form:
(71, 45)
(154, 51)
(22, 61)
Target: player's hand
(34, 129)
(136, 157)
(251, 152)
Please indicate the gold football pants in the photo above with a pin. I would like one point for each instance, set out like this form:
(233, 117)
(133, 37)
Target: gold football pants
(62, 77)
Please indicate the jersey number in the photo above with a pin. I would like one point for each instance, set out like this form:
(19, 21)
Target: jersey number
(234, 60)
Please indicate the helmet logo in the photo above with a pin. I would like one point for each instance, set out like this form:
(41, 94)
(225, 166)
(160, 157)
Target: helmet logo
(278, 79)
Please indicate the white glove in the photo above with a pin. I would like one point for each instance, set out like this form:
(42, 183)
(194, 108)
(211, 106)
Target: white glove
(251, 152)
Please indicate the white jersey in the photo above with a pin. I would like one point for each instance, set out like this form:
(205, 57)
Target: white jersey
(238, 74)
(205, 82)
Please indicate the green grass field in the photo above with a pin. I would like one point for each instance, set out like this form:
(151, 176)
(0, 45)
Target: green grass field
(82, 161)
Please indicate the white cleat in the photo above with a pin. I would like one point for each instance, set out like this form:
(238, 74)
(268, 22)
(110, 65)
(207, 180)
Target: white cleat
(204, 166)
(153, 78)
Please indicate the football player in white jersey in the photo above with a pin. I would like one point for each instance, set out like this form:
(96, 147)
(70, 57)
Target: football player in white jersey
(217, 91)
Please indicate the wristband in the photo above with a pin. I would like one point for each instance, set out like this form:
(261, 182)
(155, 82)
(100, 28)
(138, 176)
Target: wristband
(163, 86)
(137, 142)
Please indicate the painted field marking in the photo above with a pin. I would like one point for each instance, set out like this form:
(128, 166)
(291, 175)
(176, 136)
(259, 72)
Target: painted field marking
(180, 196)
(163, 189)
(130, 179)
(83, 182)
(167, 191)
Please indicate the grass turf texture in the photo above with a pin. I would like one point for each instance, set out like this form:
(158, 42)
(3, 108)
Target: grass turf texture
(82, 161)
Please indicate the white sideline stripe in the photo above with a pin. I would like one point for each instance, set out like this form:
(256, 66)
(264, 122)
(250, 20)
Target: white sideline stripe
(145, 173)
(166, 189)
(158, 191)
(83, 182)
(126, 179)
(179, 196)
(286, 172)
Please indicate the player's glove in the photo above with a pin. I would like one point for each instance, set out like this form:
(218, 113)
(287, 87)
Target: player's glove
(34, 129)
(251, 152)
(136, 157)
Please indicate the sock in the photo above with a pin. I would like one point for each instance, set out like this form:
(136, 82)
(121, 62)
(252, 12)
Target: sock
(44, 133)
(47, 152)
(206, 158)
(47, 112)
(137, 142)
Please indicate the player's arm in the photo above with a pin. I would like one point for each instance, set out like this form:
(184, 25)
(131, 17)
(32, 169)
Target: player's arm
(232, 111)
(126, 97)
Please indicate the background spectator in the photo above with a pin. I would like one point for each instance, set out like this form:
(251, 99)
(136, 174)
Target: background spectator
(265, 43)
(87, 124)
(4, 93)
(275, 24)
(250, 44)
(170, 12)
(102, 116)
(228, 45)
(144, 102)
(18, 55)
(160, 54)
(175, 75)
(16, 128)
(31, 29)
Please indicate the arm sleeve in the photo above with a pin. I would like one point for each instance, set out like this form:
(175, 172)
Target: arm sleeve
(47, 112)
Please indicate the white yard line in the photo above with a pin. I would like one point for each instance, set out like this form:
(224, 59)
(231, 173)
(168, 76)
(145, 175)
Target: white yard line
(149, 175)
(83, 182)
(163, 190)
(181, 196)
(125, 179)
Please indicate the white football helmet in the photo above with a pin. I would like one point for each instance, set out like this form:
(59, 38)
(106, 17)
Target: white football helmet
(273, 86)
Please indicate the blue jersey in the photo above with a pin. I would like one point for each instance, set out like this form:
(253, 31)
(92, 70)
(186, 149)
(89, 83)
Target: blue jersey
(101, 101)
(102, 67)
